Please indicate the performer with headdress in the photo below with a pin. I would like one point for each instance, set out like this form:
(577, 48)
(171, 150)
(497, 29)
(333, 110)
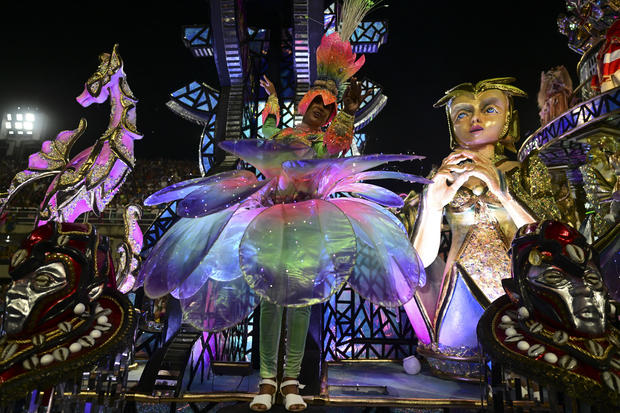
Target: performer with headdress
(484, 197)
(335, 65)
(289, 242)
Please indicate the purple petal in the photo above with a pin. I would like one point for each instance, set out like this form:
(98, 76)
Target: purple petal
(217, 196)
(372, 175)
(267, 155)
(327, 172)
(374, 193)
(181, 189)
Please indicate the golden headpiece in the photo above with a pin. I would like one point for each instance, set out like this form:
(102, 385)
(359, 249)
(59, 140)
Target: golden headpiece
(510, 133)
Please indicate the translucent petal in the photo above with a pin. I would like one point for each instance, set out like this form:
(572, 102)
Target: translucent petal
(379, 209)
(180, 189)
(267, 155)
(219, 305)
(327, 172)
(180, 250)
(298, 254)
(387, 268)
(374, 193)
(372, 175)
(217, 196)
(222, 261)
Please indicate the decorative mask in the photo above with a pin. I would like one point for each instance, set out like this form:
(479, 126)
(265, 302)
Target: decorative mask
(63, 312)
(558, 280)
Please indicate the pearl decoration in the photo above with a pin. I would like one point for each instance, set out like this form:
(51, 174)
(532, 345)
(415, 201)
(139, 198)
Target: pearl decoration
(102, 319)
(46, 359)
(75, 347)
(523, 345)
(510, 331)
(95, 334)
(79, 308)
(506, 319)
(523, 313)
(551, 358)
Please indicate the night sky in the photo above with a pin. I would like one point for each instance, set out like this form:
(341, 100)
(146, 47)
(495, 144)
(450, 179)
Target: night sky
(49, 52)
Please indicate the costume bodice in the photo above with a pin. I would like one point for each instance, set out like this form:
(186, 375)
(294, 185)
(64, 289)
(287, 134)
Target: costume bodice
(481, 232)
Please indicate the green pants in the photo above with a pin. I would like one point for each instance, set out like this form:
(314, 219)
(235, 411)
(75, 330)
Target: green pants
(297, 322)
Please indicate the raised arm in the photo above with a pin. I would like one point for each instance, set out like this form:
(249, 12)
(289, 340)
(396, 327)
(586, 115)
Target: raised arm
(271, 111)
(339, 134)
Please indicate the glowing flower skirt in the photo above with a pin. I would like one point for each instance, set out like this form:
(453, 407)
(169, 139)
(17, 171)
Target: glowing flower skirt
(285, 239)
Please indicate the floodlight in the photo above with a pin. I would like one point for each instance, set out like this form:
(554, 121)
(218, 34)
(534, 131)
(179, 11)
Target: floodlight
(30, 117)
(19, 116)
(28, 125)
(8, 125)
(11, 132)
(20, 132)
(8, 116)
(18, 125)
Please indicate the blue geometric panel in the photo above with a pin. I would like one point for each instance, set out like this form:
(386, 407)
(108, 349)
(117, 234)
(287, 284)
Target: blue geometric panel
(207, 147)
(372, 104)
(159, 227)
(354, 328)
(195, 102)
(199, 40)
(197, 96)
(360, 141)
(369, 36)
(288, 114)
(329, 19)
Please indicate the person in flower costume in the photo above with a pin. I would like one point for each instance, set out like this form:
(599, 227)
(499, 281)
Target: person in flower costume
(286, 240)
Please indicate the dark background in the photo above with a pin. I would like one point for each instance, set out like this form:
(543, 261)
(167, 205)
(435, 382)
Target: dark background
(49, 50)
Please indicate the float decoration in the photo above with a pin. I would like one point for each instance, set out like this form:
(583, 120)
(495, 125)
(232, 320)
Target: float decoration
(63, 312)
(557, 324)
(266, 222)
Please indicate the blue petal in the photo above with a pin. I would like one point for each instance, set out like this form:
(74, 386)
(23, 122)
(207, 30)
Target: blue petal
(180, 250)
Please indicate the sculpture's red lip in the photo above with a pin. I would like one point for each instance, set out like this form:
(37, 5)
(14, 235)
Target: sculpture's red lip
(476, 128)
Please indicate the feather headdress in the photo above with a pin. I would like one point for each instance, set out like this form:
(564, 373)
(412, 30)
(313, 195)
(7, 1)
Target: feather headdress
(336, 62)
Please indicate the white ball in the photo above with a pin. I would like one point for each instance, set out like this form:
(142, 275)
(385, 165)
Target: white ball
(412, 365)
(523, 345)
(95, 334)
(551, 358)
(510, 331)
(46, 359)
(79, 308)
(75, 347)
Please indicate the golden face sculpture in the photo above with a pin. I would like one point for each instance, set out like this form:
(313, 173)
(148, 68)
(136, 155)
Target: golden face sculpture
(479, 119)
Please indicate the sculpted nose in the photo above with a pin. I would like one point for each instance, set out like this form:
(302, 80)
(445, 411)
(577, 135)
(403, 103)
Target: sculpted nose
(581, 290)
(475, 118)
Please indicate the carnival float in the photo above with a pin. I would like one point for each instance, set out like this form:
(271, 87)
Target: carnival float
(282, 279)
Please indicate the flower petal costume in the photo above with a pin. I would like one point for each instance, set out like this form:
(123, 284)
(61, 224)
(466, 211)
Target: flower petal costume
(285, 239)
